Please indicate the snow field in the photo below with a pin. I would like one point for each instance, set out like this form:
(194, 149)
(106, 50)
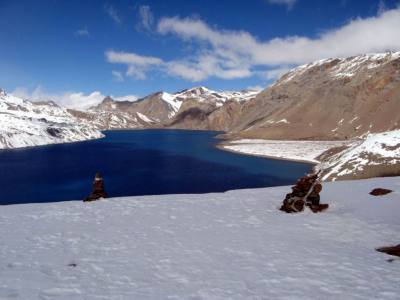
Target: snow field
(233, 245)
(293, 150)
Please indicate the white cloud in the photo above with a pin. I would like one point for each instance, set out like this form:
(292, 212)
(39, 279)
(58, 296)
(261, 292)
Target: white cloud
(146, 18)
(231, 54)
(126, 98)
(138, 65)
(288, 3)
(112, 12)
(274, 73)
(83, 32)
(117, 76)
(131, 58)
(76, 100)
(255, 88)
(379, 33)
(207, 65)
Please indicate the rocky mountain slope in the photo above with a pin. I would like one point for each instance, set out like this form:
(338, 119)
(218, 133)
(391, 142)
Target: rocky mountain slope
(24, 123)
(375, 156)
(328, 99)
(187, 109)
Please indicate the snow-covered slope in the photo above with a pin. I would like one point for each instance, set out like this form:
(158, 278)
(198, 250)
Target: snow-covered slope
(292, 150)
(234, 245)
(373, 155)
(203, 94)
(343, 67)
(106, 119)
(376, 155)
(23, 124)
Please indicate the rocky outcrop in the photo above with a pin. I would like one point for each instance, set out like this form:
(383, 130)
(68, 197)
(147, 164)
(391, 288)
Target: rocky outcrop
(376, 155)
(380, 192)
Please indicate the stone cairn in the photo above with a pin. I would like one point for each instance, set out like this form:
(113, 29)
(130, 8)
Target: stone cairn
(304, 193)
(98, 191)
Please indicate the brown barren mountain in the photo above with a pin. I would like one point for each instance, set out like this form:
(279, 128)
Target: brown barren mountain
(326, 100)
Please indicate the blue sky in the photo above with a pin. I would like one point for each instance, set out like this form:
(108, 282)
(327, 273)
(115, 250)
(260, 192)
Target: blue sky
(79, 51)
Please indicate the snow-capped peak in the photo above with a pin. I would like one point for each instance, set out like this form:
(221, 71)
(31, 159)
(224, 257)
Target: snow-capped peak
(171, 100)
(205, 95)
(195, 91)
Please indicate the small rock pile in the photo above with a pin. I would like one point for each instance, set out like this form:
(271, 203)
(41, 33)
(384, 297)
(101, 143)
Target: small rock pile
(98, 191)
(380, 192)
(304, 193)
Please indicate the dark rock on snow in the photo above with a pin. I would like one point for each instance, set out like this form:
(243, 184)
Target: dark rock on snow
(304, 193)
(380, 192)
(98, 191)
(393, 250)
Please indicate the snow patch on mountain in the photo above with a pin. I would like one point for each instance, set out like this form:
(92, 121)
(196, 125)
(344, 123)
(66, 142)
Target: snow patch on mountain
(342, 67)
(173, 102)
(145, 118)
(205, 95)
(24, 124)
(378, 149)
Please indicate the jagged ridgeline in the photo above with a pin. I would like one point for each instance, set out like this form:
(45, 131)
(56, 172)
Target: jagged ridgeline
(194, 108)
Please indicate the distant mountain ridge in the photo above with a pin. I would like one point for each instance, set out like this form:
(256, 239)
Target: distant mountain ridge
(24, 123)
(160, 109)
(330, 99)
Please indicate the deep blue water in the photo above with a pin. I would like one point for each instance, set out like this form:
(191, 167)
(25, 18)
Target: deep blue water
(137, 162)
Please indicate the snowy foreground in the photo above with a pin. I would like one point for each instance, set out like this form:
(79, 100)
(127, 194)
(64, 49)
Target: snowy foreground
(233, 245)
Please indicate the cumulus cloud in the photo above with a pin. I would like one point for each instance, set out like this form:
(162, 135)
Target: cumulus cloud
(378, 33)
(138, 65)
(231, 54)
(125, 98)
(273, 73)
(112, 12)
(146, 18)
(288, 3)
(131, 58)
(76, 100)
(83, 32)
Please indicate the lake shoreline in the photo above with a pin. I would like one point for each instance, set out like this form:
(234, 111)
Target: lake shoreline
(289, 150)
(222, 146)
(137, 162)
